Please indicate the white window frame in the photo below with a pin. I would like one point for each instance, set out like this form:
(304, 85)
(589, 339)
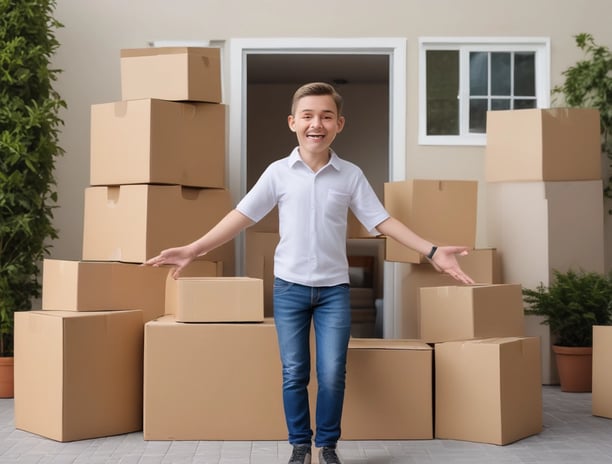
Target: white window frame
(465, 45)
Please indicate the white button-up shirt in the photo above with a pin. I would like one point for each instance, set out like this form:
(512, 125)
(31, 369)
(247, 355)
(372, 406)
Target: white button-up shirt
(313, 208)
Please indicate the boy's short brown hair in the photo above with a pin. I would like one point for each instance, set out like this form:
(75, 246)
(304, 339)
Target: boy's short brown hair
(317, 88)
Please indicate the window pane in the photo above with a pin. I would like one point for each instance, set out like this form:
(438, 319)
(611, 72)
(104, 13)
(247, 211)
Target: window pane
(479, 75)
(442, 91)
(478, 115)
(500, 74)
(520, 104)
(500, 104)
(524, 74)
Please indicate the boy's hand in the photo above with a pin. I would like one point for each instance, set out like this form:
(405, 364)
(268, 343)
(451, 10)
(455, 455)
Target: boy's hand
(179, 257)
(444, 260)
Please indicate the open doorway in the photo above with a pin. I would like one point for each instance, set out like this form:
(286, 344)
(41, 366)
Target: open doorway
(369, 73)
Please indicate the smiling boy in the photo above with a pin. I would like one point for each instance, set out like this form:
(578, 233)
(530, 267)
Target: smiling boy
(313, 189)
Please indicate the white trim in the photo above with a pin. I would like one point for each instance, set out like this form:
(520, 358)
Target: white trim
(541, 45)
(394, 47)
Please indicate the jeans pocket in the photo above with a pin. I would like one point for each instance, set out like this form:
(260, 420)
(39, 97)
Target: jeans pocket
(282, 286)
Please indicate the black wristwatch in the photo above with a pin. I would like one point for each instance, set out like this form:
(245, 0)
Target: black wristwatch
(432, 252)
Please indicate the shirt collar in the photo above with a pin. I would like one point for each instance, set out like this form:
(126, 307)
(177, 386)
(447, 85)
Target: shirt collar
(294, 157)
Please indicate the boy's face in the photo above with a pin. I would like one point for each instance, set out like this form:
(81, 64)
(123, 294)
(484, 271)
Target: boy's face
(316, 123)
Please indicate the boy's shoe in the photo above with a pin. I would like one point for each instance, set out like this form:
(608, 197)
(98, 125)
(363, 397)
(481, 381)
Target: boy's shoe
(327, 455)
(301, 454)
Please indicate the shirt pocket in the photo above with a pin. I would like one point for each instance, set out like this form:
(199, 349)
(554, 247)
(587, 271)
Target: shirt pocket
(337, 204)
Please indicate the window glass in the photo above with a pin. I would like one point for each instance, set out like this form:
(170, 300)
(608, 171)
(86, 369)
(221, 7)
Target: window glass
(478, 115)
(501, 74)
(524, 74)
(479, 76)
(442, 91)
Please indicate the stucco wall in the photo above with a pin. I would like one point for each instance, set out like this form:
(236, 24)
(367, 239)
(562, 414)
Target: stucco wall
(94, 33)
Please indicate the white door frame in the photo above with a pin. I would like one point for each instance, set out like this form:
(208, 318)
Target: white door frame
(396, 49)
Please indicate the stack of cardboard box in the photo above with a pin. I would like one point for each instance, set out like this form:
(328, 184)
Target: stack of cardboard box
(444, 212)
(544, 199)
(157, 180)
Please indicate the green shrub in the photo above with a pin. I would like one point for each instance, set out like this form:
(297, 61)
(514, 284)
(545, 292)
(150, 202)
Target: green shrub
(29, 129)
(572, 303)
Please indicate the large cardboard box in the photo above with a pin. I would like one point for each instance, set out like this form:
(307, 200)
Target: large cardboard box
(171, 73)
(541, 226)
(215, 299)
(107, 286)
(132, 223)
(212, 382)
(602, 374)
(158, 142)
(441, 211)
(482, 265)
(388, 390)
(557, 144)
(78, 375)
(471, 311)
(489, 390)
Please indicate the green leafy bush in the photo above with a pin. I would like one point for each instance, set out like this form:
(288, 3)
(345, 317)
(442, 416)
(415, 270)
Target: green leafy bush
(572, 303)
(29, 129)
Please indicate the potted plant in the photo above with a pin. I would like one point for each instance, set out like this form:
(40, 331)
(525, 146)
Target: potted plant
(572, 304)
(29, 123)
(588, 84)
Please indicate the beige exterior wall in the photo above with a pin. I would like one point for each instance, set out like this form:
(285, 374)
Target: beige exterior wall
(94, 33)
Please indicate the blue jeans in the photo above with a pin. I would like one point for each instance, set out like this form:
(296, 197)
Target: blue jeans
(329, 308)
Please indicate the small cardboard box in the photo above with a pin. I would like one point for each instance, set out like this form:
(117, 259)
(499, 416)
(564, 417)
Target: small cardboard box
(441, 211)
(488, 391)
(543, 144)
(471, 311)
(108, 286)
(602, 374)
(158, 142)
(171, 73)
(78, 375)
(212, 382)
(215, 299)
(482, 265)
(133, 223)
(388, 390)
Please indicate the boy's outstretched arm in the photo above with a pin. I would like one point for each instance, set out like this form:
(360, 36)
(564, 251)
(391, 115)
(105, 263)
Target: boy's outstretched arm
(225, 230)
(444, 259)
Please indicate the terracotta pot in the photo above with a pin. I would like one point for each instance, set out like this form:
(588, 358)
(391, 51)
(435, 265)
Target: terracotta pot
(6, 378)
(575, 366)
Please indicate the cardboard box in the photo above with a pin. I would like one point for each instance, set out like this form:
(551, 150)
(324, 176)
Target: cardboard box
(78, 375)
(602, 375)
(158, 142)
(215, 299)
(541, 226)
(488, 391)
(107, 286)
(171, 73)
(441, 211)
(212, 382)
(388, 390)
(471, 311)
(483, 265)
(557, 144)
(132, 223)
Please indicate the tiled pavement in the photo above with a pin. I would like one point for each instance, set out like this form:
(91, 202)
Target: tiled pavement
(571, 435)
